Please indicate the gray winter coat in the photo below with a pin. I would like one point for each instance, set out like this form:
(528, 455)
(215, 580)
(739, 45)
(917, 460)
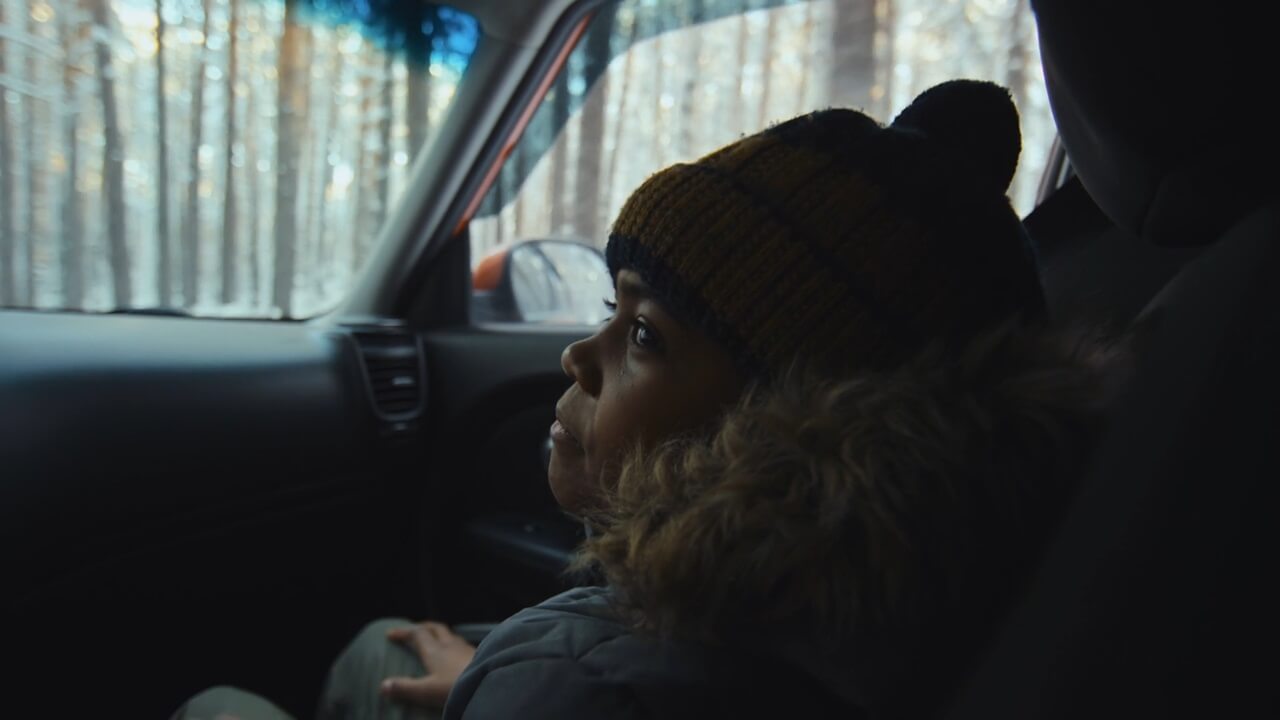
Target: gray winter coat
(885, 519)
(569, 658)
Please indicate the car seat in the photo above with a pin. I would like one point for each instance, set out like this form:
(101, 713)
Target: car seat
(1154, 598)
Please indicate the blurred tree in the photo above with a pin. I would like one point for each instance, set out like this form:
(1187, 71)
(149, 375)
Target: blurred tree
(290, 108)
(806, 41)
(310, 145)
(382, 157)
(1019, 56)
(886, 14)
(499, 192)
(323, 172)
(587, 188)
(253, 156)
(113, 160)
(364, 120)
(853, 67)
(72, 30)
(229, 229)
(32, 145)
(693, 74)
(418, 100)
(624, 94)
(766, 72)
(737, 106)
(8, 255)
(191, 220)
(164, 280)
(653, 116)
(560, 150)
(520, 166)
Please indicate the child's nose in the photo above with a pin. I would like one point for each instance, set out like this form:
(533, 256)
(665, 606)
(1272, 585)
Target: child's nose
(579, 363)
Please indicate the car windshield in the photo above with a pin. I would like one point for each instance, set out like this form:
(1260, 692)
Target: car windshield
(210, 157)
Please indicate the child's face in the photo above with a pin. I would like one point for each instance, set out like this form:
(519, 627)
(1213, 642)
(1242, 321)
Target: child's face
(643, 377)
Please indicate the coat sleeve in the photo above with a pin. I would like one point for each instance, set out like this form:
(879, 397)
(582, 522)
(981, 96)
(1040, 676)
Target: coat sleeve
(538, 688)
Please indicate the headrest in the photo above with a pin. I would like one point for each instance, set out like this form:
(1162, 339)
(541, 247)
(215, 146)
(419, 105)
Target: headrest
(1162, 109)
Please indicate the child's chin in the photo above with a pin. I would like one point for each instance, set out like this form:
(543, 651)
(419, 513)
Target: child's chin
(569, 486)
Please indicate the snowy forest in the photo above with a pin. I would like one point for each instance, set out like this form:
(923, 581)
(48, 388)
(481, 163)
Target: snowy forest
(237, 157)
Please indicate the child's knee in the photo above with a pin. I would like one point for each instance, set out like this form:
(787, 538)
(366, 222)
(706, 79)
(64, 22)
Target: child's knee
(229, 702)
(371, 641)
(377, 629)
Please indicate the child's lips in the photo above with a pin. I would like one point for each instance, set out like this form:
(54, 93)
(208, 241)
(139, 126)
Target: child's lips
(562, 436)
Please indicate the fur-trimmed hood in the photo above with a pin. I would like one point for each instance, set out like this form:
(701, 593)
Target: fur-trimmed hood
(870, 529)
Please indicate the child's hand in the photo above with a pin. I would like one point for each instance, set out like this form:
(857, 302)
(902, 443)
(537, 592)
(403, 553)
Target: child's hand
(445, 655)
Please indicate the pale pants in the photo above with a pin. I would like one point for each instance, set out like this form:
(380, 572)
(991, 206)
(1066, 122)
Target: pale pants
(350, 692)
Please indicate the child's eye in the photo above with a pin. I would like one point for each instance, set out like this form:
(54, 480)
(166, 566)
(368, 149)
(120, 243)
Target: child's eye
(612, 307)
(644, 336)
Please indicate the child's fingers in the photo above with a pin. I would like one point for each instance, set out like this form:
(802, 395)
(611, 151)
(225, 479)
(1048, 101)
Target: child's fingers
(425, 691)
(420, 639)
(400, 634)
(438, 631)
(427, 631)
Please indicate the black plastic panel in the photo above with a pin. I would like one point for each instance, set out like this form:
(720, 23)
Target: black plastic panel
(188, 502)
(108, 421)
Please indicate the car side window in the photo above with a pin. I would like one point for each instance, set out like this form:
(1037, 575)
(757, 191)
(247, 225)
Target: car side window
(654, 82)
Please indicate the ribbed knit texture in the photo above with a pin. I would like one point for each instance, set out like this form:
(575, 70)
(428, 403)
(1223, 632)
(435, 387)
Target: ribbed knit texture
(833, 239)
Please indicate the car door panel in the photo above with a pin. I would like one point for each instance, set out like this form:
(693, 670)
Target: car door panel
(494, 395)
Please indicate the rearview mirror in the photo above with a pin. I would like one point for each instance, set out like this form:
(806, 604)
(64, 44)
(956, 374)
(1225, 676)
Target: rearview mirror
(557, 282)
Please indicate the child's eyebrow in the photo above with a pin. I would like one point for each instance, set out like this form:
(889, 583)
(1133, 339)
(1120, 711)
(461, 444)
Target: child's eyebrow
(638, 290)
(635, 290)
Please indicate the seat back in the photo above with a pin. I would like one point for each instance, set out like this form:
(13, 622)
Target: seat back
(1092, 270)
(1155, 597)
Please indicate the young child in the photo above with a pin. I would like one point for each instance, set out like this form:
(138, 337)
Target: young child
(818, 443)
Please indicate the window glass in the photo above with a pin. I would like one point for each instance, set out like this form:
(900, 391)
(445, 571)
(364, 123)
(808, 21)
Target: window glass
(654, 82)
(211, 157)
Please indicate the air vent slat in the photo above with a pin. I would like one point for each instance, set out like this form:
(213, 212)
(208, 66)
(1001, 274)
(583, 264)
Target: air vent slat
(389, 376)
(393, 372)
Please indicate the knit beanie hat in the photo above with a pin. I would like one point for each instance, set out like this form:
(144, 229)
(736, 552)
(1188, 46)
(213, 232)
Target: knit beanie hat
(840, 241)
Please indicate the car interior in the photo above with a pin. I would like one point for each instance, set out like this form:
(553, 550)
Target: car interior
(1152, 599)
(188, 502)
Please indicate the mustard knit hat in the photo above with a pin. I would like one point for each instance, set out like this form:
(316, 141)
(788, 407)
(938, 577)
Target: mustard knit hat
(832, 238)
